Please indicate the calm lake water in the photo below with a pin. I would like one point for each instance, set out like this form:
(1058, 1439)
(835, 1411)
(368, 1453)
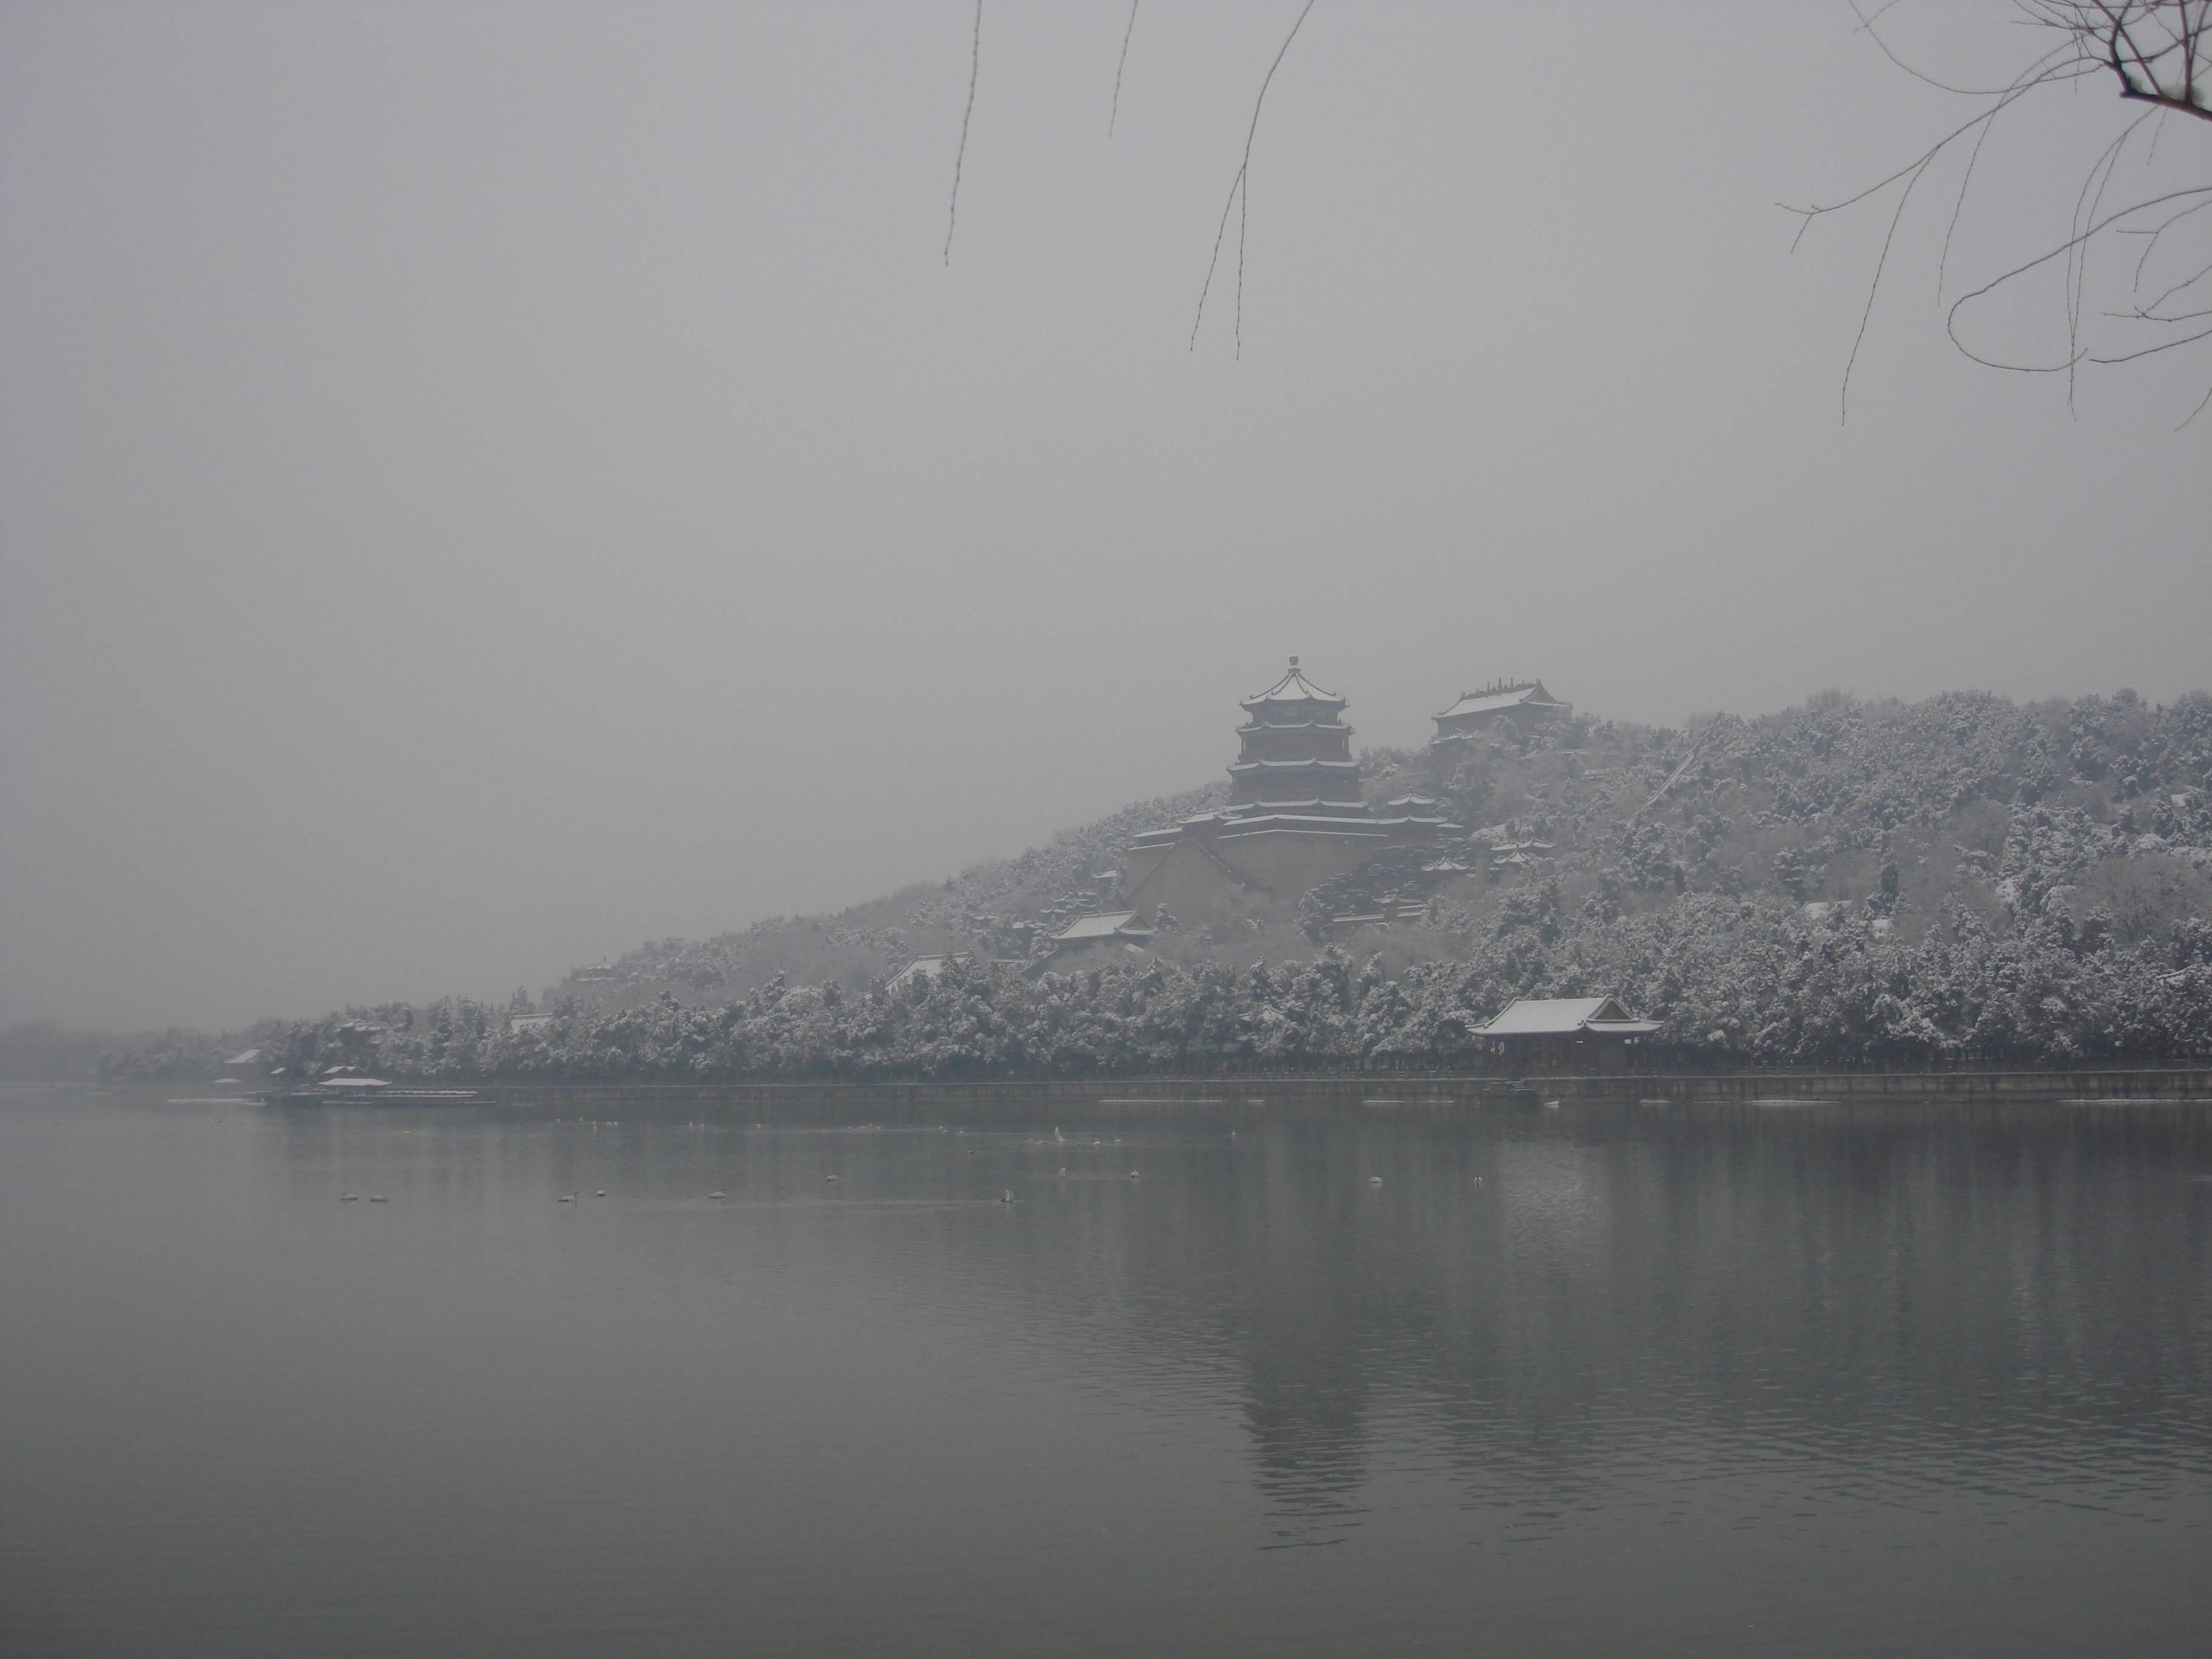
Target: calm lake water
(1601, 1380)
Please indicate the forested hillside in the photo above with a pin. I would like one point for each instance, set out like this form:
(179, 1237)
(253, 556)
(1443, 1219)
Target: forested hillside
(1963, 877)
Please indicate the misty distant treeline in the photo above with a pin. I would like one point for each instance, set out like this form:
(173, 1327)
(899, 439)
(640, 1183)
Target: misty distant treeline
(1960, 878)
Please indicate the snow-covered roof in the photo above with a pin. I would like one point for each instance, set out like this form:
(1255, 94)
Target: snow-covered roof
(1565, 1016)
(1344, 822)
(1411, 801)
(1499, 698)
(922, 967)
(368, 1084)
(244, 1057)
(1108, 925)
(1293, 687)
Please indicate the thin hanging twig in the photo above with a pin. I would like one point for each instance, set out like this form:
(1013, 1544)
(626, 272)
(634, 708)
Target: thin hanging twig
(1236, 190)
(975, 65)
(1115, 114)
(1243, 223)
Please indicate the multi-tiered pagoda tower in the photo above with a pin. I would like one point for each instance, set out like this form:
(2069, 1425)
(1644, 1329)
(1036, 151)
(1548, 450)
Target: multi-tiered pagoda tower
(1295, 818)
(1295, 754)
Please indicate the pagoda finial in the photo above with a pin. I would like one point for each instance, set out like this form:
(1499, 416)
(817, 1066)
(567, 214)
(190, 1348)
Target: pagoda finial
(1294, 662)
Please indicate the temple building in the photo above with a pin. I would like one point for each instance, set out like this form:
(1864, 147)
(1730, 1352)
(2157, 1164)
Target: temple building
(1517, 706)
(1295, 753)
(1584, 1033)
(1294, 816)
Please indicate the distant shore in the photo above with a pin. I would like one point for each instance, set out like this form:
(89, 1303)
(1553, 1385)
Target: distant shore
(1384, 1090)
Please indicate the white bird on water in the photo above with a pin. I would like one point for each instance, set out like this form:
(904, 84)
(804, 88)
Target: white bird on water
(718, 1193)
(348, 1198)
(567, 1198)
(378, 1198)
(1374, 1180)
(1009, 1198)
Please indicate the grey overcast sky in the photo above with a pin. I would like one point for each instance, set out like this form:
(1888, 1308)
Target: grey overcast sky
(486, 485)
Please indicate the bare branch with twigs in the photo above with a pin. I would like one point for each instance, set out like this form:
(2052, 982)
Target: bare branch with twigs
(2160, 53)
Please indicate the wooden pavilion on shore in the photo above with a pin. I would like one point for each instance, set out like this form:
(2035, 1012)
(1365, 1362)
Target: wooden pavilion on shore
(1590, 1034)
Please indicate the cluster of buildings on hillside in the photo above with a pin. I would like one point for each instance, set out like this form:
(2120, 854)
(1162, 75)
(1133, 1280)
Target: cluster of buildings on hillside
(1297, 819)
(1296, 816)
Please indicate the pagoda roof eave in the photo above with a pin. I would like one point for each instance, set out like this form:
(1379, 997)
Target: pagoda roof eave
(1293, 687)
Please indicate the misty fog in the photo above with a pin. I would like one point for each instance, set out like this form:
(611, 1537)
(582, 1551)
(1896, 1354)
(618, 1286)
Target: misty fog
(483, 485)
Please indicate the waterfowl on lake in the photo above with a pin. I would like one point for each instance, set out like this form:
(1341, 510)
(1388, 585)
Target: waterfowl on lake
(718, 1193)
(348, 1198)
(1374, 1180)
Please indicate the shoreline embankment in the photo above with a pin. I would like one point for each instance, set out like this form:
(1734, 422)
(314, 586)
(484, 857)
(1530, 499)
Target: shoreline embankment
(1200, 1092)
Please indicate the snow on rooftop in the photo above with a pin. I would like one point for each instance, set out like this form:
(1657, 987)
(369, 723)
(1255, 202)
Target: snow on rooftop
(1100, 927)
(922, 967)
(1531, 695)
(1293, 687)
(1564, 1016)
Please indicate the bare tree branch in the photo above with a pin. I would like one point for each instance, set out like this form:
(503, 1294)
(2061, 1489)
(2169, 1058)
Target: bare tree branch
(1236, 193)
(2045, 258)
(974, 68)
(2160, 53)
(1120, 64)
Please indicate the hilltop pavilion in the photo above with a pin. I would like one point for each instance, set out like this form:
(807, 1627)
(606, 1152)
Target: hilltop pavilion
(1517, 706)
(1294, 816)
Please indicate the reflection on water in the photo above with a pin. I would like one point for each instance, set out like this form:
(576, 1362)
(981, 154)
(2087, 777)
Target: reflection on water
(1756, 1379)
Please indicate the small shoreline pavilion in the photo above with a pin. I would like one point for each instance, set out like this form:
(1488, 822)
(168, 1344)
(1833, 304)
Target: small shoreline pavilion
(1294, 819)
(1588, 1034)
